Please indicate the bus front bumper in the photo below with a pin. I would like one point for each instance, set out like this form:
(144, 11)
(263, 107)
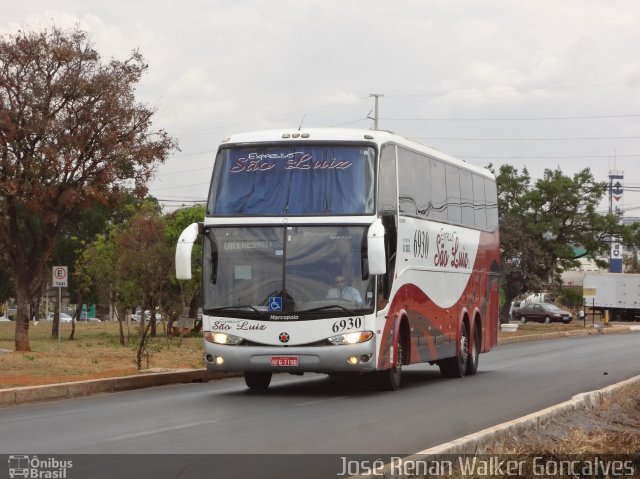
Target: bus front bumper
(357, 358)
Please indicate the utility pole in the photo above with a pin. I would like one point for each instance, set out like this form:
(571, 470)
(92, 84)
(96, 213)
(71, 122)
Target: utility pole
(375, 110)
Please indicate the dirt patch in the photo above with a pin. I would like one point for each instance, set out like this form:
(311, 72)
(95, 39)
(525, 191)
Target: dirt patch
(611, 428)
(94, 354)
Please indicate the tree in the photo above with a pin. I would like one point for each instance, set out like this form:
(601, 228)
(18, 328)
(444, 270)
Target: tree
(71, 135)
(541, 225)
(95, 273)
(143, 255)
(6, 287)
(183, 294)
(77, 233)
(571, 298)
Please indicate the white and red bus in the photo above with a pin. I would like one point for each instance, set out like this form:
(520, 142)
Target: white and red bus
(345, 251)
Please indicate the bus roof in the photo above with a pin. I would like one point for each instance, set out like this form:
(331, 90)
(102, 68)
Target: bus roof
(378, 137)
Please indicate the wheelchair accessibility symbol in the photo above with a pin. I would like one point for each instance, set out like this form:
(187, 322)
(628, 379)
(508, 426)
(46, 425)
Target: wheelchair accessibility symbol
(275, 303)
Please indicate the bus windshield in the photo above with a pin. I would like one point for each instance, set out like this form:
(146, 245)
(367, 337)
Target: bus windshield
(263, 271)
(293, 180)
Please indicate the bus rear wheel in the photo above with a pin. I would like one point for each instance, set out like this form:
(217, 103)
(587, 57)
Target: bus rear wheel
(257, 381)
(456, 367)
(389, 379)
(474, 352)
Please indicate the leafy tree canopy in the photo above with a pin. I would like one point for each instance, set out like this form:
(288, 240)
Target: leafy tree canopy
(543, 222)
(71, 135)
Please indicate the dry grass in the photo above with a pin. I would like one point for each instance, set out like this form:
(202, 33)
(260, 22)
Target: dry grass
(608, 433)
(611, 428)
(95, 353)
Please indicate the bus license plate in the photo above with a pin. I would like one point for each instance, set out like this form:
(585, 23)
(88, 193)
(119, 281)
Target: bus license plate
(284, 361)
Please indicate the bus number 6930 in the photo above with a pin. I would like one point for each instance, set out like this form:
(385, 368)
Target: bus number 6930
(346, 324)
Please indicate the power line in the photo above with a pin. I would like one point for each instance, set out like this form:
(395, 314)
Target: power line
(181, 201)
(430, 94)
(181, 186)
(545, 157)
(185, 171)
(542, 118)
(565, 157)
(529, 139)
(277, 117)
(181, 197)
(180, 155)
(475, 90)
(349, 122)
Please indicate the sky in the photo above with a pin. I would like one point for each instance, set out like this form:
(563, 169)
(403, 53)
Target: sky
(544, 84)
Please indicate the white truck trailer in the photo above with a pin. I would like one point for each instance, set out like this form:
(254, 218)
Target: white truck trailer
(619, 293)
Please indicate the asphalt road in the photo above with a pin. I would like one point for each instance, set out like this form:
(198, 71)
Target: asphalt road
(313, 414)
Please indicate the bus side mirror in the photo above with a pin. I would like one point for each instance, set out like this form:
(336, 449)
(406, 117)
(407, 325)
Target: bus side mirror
(184, 248)
(375, 247)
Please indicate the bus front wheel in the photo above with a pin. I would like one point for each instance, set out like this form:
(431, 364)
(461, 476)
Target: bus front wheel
(258, 381)
(389, 379)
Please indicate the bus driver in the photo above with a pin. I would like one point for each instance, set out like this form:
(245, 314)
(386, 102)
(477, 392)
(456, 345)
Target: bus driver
(342, 291)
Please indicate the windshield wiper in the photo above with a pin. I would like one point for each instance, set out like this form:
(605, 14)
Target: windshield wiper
(323, 308)
(237, 308)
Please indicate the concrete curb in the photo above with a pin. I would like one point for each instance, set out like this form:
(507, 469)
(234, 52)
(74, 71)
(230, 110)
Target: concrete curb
(564, 334)
(479, 442)
(30, 394)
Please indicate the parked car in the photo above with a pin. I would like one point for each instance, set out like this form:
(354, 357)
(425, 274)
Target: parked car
(513, 310)
(64, 317)
(543, 313)
(4, 318)
(147, 316)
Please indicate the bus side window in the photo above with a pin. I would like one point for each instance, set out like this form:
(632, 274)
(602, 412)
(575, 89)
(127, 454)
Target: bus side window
(439, 191)
(406, 183)
(479, 202)
(466, 193)
(492, 204)
(387, 181)
(453, 195)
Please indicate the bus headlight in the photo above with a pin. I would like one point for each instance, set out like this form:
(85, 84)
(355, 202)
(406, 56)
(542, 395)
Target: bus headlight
(221, 338)
(351, 338)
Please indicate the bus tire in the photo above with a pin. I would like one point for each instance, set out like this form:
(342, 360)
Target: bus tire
(257, 381)
(474, 353)
(456, 367)
(389, 379)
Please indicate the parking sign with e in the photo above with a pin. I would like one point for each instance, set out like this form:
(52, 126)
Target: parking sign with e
(59, 277)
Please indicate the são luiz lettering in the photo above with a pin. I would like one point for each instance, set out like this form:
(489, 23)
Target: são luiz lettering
(304, 162)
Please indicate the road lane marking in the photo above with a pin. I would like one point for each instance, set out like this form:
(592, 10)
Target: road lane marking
(319, 401)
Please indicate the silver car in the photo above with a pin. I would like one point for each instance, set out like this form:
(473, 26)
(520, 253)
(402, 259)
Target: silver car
(64, 317)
